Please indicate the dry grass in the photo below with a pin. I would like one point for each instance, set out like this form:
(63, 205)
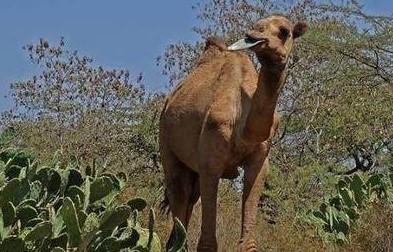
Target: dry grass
(287, 233)
(375, 230)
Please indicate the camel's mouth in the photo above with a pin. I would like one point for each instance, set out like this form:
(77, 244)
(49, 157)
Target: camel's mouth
(245, 43)
(272, 57)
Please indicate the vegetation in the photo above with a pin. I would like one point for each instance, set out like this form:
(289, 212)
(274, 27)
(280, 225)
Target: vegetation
(335, 107)
(330, 186)
(57, 209)
(83, 112)
(340, 211)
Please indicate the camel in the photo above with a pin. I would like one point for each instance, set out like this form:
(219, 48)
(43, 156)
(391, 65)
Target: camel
(221, 117)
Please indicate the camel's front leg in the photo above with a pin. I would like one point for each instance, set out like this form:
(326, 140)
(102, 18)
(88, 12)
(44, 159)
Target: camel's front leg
(254, 177)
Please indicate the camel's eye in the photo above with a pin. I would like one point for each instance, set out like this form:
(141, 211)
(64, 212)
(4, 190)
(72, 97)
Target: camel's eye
(284, 33)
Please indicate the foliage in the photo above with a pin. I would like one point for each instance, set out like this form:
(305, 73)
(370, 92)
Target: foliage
(336, 119)
(335, 106)
(7, 136)
(83, 112)
(339, 89)
(340, 211)
(58, 209)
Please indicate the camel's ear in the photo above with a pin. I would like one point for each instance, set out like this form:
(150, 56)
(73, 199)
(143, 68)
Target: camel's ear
(299, 29)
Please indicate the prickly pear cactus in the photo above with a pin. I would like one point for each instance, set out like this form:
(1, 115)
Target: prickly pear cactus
(340, 211)
(57, 209)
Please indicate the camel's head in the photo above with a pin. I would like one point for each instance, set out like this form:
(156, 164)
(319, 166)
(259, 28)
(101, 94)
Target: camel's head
(271, 39)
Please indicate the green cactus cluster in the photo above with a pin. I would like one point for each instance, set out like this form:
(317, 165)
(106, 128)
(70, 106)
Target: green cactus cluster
(59, 209)
(340, 211)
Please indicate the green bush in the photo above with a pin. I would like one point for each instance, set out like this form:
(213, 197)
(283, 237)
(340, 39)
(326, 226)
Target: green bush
(7, 135)
(59, 209)
(340, 211)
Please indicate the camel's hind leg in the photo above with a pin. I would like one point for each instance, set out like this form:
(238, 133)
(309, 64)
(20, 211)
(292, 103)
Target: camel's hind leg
(182, 186)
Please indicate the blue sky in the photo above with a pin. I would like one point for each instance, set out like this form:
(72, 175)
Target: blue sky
(127, 34)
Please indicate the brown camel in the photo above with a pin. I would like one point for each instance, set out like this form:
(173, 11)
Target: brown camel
(223, 116)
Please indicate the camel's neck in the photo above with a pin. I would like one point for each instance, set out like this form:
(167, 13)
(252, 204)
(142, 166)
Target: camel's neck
(260, 118)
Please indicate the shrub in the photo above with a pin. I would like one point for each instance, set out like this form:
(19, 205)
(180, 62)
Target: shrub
(51, 208)
(341, 210)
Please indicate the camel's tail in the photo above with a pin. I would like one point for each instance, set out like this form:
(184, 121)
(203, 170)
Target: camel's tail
(164, 205)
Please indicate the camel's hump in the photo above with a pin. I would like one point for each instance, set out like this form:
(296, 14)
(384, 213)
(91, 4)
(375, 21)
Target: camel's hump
(216, 42)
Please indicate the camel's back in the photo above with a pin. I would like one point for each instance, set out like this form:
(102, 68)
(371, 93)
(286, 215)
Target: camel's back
(215, 85)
